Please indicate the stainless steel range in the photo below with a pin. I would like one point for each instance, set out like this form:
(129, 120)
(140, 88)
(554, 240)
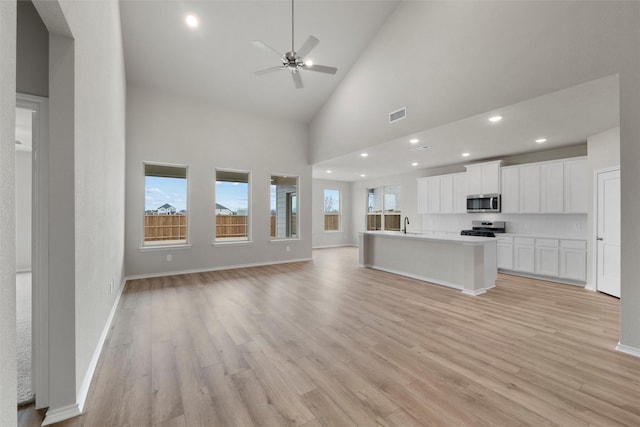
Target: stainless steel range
(484, 228)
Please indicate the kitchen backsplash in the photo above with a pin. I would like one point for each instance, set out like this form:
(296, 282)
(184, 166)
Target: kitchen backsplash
(562, 225)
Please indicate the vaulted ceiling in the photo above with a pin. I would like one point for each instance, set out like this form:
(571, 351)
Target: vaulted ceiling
(543, 65)
(215, 61)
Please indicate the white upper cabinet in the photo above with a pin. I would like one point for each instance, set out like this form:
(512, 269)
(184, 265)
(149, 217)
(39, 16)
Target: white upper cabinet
(483, 178)
(446, 194)
(433, 189)
(575, 186)
(510, 190)
(442, 194)
(558, 186)
(460, 193)
(423, 195)
(529, 186)
(552, 187)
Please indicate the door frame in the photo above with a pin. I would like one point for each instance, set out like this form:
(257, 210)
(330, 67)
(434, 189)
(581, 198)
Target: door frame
(594, 226)
(39, 245)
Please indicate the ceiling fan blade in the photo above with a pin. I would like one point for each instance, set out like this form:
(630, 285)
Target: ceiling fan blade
(321, 68)
(307, 47)
(268, 70)
(266, 47)
(297, 80)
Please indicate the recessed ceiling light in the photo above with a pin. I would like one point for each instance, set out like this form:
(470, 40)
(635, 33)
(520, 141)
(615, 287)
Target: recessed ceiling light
(364, 154)
(362, 175)
(541, 140)
(466, 154)
(192, 21)
(414, 141)
(422, 147)
(495, 119)
(328, 171)
(308, 63)
(414, 164)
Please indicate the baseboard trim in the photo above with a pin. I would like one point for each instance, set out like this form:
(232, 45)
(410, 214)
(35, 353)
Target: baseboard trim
(60, 414)
(545, 278)
(415, 276)
(628, 350)
(206, 269)
(475, 293)
(70, 411)
(84, 388)
(332, 246)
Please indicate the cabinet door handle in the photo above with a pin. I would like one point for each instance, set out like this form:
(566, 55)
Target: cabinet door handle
(599, 238)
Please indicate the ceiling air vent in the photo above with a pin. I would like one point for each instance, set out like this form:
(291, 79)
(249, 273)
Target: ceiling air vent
(400, 114)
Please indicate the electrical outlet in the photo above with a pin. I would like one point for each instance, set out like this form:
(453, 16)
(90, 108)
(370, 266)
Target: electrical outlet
(169, 257)
(288, 248)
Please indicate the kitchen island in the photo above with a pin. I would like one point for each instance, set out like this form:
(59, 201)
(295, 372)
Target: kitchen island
(467, 263)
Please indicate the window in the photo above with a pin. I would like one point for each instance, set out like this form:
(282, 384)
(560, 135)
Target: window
(284, 207)
(388, 218)
(232, 206)
(331, 210)
(165, 201)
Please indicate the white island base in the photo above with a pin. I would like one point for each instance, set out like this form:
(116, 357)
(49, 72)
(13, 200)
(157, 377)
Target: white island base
(467, 263)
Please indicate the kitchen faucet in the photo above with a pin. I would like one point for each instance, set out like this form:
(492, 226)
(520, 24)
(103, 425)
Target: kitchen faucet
(406, 221)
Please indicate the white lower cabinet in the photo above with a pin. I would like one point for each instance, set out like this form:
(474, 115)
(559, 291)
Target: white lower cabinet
(524, 254)
(562, 258)
(547, 257)
(573, 260)
(505, 252)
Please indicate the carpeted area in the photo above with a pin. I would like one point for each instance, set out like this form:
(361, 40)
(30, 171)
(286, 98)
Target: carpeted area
(23, 337)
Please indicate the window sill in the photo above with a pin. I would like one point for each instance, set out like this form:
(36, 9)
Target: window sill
(288, 239)
(332, 231)
(232, 243)
(164, 247)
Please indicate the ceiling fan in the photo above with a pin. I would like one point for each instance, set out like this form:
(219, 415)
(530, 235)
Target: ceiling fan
(294, 61)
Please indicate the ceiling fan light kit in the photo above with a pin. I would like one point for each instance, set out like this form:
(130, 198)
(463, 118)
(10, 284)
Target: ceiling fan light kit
(294, 61)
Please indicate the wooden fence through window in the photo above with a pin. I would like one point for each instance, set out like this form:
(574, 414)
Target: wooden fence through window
(231, 226)
(174, 227)
(165, 227)
(332, 222)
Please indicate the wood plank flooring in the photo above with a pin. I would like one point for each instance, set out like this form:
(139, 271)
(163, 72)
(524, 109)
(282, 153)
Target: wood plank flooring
(328, 343)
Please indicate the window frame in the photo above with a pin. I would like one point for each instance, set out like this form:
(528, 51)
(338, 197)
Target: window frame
(383, 213)
(324, 213)
(298, 204)
(187, 243)
(249, 239)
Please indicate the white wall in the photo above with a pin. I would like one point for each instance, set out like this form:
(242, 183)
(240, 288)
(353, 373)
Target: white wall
(8, 393)
(100, 101)
(86, 189)
(23, 210)
(166, 128)
(604, 152)
(32, 75)
(322, 238)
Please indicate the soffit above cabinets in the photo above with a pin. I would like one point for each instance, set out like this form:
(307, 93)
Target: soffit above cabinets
(564, 118)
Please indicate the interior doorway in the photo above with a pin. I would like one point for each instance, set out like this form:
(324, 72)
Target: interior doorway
(32, 242)
(23, 207)
(608, 232)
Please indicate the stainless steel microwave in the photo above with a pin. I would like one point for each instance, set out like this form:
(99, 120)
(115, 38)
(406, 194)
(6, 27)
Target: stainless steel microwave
(484, 203)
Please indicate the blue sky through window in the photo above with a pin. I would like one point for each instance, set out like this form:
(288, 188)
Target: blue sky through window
(233, 195)
(161, 190)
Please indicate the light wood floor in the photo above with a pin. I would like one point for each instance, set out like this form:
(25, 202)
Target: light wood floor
(330, 343)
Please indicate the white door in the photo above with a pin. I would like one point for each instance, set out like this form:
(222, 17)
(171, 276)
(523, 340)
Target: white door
(608, 233)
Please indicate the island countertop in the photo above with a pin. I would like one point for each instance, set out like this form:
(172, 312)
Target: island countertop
(473, 240)
(467, 263)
